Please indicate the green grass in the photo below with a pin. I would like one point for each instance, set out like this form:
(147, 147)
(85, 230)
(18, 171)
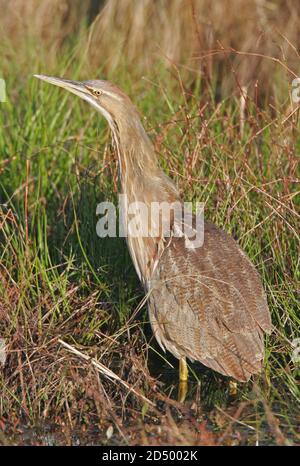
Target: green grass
(58, 280)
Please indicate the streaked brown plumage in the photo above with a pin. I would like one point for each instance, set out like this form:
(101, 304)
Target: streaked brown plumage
(206, 303)
(213, 299)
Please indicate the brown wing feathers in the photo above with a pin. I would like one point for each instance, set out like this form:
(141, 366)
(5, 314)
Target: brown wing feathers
(208, 304)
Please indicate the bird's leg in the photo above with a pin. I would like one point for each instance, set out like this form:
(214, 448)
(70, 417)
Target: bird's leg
(183, 378)
(182, 391)
(183, 370)
(233, 387)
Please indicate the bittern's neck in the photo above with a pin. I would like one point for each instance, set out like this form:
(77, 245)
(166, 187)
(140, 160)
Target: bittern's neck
(139, 167)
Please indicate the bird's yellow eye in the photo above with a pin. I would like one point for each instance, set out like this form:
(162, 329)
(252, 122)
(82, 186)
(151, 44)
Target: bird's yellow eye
(97, 92)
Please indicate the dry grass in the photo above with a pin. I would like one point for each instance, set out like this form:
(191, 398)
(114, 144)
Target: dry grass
(202, 37)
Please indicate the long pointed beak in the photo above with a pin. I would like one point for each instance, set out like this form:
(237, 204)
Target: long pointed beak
(76, 87)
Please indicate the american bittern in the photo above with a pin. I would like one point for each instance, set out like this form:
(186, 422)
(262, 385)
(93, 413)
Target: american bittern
(206, 304)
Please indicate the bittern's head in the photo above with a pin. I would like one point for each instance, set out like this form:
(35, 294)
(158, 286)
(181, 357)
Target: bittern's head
(107, 98)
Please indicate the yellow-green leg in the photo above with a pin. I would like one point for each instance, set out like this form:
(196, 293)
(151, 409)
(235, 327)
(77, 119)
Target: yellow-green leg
(183, 370)
(232, 387)
(183, 378)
